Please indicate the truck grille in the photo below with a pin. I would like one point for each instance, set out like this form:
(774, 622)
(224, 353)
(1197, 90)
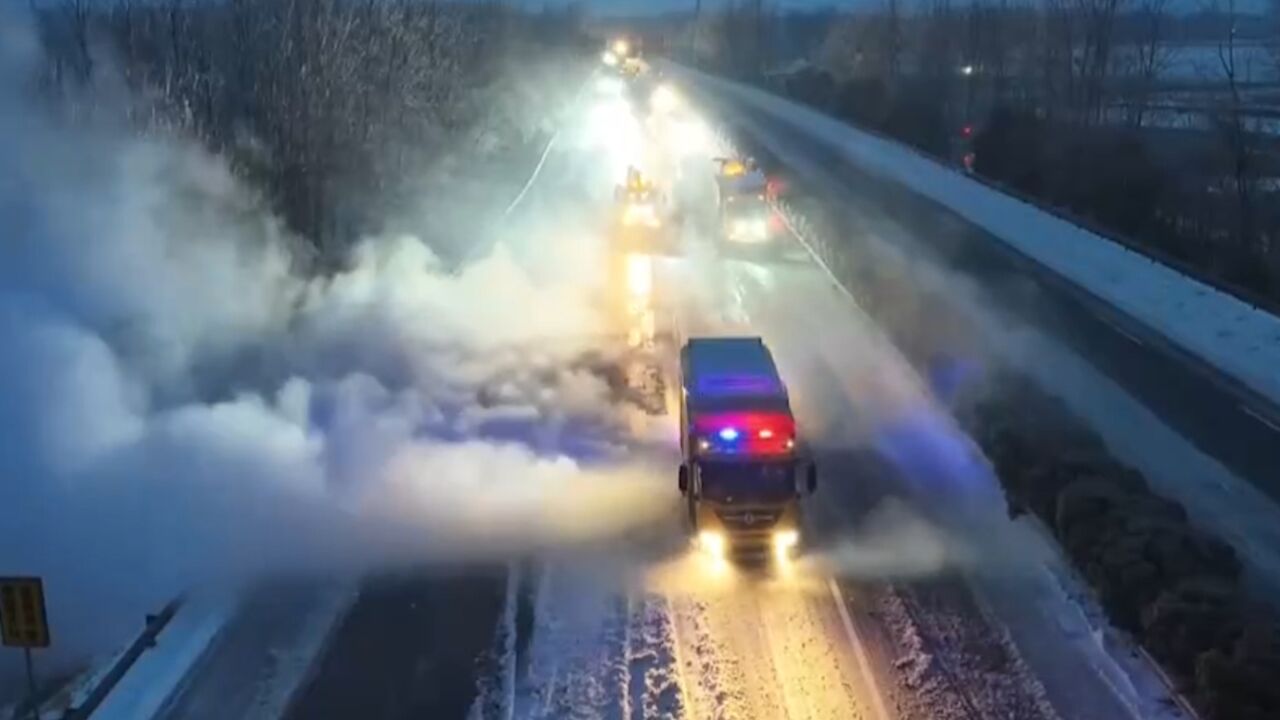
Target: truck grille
(748, 520)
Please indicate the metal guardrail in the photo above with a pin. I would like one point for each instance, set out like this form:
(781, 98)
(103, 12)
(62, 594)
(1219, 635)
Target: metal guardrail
(1252, 399)
(146, 640)
(1246, 295)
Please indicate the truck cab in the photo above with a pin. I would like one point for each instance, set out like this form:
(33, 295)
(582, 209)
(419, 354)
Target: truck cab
(745, 215)
(744, 472)
(644, 217)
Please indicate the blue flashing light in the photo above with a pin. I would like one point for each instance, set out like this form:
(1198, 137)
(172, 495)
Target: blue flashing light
(729, 434)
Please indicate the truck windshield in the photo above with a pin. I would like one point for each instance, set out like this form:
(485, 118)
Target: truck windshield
(744, 205)
(747, 483)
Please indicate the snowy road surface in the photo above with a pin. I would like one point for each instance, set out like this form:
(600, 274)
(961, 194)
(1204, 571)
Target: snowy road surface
(915, 629)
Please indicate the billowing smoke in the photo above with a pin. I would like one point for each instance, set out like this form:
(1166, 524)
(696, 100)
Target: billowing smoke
(893, 542)
(181, 406)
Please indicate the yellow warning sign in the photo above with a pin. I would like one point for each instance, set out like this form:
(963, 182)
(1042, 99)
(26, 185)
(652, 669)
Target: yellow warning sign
(23, 622)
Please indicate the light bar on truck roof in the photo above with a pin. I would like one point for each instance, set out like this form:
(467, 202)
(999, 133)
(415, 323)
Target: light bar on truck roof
(746, 434)
(737, 384)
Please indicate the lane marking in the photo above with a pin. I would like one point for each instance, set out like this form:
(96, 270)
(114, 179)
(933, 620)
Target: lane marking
(813, 255)
(1260, 418)
(533, 178)
(859, 650)
(574, 103)
(1132, 338)
(509, 665)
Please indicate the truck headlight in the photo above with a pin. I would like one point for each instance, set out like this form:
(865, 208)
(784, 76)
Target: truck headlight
(664, 99)
(713, 543)
(642, 214)
(750, 229)
(784, 543)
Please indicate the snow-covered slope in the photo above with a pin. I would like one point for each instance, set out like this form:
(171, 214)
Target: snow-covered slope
(1241, 340)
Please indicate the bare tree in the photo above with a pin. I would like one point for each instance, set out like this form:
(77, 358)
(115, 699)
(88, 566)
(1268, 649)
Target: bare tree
(1150, 58)
(1059, 69)
(1098, 19)
(1232, 125)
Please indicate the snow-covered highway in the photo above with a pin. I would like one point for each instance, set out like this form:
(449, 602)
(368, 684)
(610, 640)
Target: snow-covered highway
(918, 598)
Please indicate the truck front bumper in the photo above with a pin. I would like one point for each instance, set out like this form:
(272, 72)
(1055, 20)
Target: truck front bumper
(749, 533)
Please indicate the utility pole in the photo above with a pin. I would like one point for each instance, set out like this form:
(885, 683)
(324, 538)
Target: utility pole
(33, 692)
(697, 26)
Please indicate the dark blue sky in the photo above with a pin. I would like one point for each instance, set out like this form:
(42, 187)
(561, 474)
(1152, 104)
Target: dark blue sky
(629, 7)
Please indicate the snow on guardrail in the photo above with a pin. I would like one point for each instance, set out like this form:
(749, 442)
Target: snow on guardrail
(1234, 337)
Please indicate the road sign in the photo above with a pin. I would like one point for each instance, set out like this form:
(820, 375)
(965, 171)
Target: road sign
(23, 622)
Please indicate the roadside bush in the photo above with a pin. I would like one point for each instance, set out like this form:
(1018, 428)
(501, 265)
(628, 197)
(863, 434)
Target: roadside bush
(1176, 588)
(863, 101)
(1010, 149)
(1108, 176)
(812, 86)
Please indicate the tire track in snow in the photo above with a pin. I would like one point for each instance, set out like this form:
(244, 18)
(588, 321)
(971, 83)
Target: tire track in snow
(765, 650)
(577, 658)
(655, 691)
(811, 662)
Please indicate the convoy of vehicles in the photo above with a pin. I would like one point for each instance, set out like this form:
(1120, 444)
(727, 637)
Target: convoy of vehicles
(625, 55)
(743, 473)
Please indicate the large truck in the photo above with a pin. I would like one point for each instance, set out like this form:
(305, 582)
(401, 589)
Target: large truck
(644, 217)
(744, 472)
(745, 217)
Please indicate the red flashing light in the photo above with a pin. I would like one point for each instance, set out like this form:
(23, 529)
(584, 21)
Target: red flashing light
(966, 131)
(746, 433)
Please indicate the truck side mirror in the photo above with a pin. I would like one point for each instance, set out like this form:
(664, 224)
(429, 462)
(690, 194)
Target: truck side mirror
(682, 480)
(811, 477)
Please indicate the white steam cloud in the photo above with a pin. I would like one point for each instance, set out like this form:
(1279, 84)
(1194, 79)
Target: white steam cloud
(893, 543)
(178, 406)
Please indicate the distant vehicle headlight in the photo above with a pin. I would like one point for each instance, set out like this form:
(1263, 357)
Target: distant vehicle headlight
(609, 58)
(750, 229)
(640, 214)
(664, 99)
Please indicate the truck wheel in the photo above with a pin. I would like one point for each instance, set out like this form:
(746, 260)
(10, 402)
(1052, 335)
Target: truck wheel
(682, 480)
